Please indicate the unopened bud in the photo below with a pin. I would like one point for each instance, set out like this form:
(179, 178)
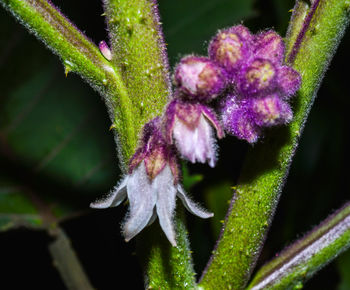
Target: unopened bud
(199, 78)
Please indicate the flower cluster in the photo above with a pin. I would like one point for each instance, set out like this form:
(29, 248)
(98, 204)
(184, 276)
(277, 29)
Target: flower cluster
(246, 72)
(261, 83)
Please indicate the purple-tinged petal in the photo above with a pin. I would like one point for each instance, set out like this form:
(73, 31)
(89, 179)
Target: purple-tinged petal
(114, 198)
(196, 144)
(191, 206)
(269, 45)
(230, 48)
(199, 78)
(169, 121)
(136, 159)
(270, 110)
(258, 78)
(238, 120)
(142, 198)
(188, 113)
(155, 161)
(164, 186)
(211, 116)
(174, 166)
(289, 81)
(106, 52)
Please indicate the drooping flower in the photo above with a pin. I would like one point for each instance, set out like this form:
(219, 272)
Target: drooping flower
(189, 126)
(151, 187)
(199, 78)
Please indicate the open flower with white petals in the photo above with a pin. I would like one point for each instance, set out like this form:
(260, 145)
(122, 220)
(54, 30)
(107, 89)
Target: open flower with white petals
(151, 187)
(189, 126)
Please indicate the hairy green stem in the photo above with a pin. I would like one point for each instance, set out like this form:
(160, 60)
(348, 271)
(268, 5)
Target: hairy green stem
(300, 261)
(67, 262)
(138, 51)
(79, 55)
(265, 170)
(167, 267)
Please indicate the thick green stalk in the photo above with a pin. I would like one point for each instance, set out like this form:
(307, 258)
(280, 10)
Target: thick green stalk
(167, 267)
(79, 55)
(300, 261)
(139, 53)
(264, 173)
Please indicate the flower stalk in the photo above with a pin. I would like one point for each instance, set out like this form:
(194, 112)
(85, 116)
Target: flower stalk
(267, 165)
(300, 261)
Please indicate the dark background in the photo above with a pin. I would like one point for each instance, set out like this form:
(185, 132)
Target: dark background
(55, 145)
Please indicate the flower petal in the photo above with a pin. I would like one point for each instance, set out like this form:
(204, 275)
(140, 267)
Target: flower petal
(191, 206)
(142, 198)
(164, 185)
(114, 198)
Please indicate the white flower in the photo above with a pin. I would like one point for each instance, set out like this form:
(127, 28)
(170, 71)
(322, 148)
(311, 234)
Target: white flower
(149, 199)
(190, 127)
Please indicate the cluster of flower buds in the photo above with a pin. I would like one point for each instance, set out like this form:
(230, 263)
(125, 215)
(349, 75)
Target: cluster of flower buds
(261, 83)
(247, 71)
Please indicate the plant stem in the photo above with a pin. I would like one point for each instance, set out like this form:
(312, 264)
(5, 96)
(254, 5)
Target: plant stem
(67, 263)
(300, 261)
(265, 170)
(167, 267)
(79, 55)
(139, 53)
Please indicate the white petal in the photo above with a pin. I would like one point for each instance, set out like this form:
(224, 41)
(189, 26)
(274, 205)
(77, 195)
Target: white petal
(191, 206)
(142, 198)
(153, 217)
(196, 144)
(164, 185)
(114, 198)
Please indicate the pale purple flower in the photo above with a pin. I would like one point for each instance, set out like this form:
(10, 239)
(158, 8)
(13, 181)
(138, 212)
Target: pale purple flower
(189, 126)
(199, 78)
(151, 187)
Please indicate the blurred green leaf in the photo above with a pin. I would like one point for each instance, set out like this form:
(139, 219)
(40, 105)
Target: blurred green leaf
(189, 25)
(54, 131)
(189, 180)
(16, 207)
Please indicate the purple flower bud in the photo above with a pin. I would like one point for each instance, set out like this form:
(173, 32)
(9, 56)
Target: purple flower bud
(189, 126)
(231, 48)
(238, 120)
(106, 52)
(270, 111)
(258, 78)
(289, 80)
(269, 45)
(199, 78)
(154, 152)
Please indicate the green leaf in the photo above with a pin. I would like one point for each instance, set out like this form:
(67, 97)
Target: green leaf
(189, 25)
(54, 130)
